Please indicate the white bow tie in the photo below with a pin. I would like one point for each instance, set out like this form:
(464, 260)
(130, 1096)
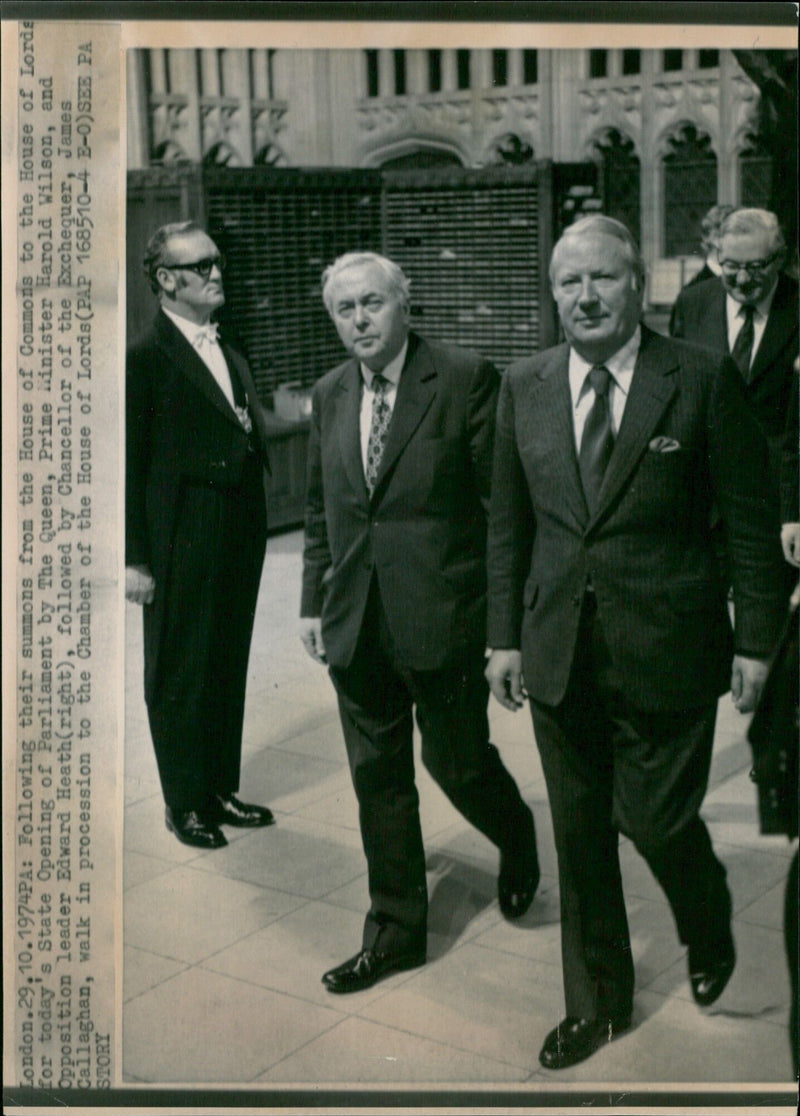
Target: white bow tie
(207, 333)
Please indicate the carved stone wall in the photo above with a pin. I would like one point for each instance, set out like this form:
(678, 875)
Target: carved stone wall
(246, 107)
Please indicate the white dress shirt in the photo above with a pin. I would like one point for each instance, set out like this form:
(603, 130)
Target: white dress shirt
(209, 352)
(621, 366)
(391, 373)
(735, 317)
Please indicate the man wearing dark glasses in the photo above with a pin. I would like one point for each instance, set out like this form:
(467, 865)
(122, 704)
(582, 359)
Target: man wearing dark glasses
(196, 528)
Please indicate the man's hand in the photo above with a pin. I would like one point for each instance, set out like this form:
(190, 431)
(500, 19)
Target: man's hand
(747, 681)
(790, 541)
(504, 675)
(140, 585)
(311, 636)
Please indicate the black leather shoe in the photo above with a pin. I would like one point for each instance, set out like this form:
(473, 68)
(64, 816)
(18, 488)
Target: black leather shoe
(230, 811)
(574, 1040)
(517, 881)
(368, 967)
(193, 829)
(708, 981)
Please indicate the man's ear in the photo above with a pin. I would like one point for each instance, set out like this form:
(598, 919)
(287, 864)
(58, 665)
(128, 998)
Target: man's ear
(166, 280)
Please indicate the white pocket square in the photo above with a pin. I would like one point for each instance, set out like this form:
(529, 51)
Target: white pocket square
(664, 445)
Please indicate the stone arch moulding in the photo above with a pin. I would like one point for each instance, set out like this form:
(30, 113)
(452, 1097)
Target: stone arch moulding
(395, 148)
(674, 130)
(603, 132)
(168, 153)
(745, 137)
(510, 138)
(221, 154)
(270, 154)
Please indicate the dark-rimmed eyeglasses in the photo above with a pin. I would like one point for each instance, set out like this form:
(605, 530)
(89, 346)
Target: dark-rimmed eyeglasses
(753, 267)
(203, 267)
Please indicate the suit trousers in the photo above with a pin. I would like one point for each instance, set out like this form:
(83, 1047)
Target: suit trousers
(377, 695)
(196, 659)
(612, 768)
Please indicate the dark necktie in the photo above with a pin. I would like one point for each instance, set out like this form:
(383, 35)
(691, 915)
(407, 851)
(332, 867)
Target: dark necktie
(597, 441)
(381, 414)
(743, 345)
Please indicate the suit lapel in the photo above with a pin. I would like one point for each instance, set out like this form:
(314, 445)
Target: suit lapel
(780, 323)
(238, 365)
(184, 357)
(415, 392)
(552, 404)
(652, 387)
(348, 420)
(715, 320)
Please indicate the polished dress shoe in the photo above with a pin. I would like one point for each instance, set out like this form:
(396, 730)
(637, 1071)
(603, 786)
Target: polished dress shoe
(369, 966)
(574, 1040)
(194, 829)
(517, 881)
(230, 811)
(708, 980)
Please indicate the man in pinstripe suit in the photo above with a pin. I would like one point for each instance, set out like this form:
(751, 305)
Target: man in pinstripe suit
(606, 607)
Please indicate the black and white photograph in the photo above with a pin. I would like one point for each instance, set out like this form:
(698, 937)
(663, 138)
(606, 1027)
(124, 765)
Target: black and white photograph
(421, 542)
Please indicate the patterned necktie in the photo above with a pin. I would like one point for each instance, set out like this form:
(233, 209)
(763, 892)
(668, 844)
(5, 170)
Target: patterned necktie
(597, 441)
(743, 345)
(381, 414)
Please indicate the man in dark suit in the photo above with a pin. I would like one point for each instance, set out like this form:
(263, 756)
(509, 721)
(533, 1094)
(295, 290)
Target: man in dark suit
(751, 314)
(195, 534)
(709, 243)
(604, 594)
(394, 599)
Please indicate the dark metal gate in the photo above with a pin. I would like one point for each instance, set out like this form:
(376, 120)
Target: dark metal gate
(475, 244)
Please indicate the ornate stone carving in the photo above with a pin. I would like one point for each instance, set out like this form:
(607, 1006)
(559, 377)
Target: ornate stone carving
(267, 120)
(169, 122)
(679, 101)
(608, 106)
(449, 111)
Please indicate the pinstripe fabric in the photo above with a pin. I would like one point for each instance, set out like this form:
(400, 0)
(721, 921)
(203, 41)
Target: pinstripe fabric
(196, 515)
(647, 545)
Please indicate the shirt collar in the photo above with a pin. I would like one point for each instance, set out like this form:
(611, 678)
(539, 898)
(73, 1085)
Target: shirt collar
(392, 370)
(620, 365)
(190, 330)
(762, 308)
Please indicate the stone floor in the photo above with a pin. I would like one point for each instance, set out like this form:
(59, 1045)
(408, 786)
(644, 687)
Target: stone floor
(223, 950)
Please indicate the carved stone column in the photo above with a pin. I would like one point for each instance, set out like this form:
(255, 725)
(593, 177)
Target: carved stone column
(481, 69)
(385, 73)
(516, 68)
(416, 71)
(236, 84)
(137, 112)
(449, 71)
(183, 78)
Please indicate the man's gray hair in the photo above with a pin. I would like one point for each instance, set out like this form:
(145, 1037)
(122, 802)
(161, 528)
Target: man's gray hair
(743, 222)
(155, 250)
(608, 226)
(712, 223)
(398, 280)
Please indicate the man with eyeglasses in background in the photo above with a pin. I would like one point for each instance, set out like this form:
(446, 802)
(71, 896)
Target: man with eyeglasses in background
(196, 532)
(751, 314)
